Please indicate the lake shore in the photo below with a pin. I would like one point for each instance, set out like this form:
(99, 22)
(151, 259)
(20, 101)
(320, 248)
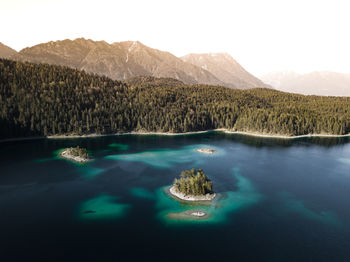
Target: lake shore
(22, 139)
(181, 196)
(129, 133)
(227, 131)
(77, 136)
(279, 136)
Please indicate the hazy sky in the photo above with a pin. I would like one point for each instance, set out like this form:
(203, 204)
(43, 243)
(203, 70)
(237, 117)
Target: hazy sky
(264, 36)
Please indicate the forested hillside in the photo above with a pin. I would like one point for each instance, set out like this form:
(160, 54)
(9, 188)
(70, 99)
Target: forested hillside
(40, 100)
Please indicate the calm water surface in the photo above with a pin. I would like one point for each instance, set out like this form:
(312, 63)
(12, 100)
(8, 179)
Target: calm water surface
(278, 200)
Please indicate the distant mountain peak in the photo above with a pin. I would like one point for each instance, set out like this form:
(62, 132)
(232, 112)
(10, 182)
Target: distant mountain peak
(225, 68)
(134, 45)
(220, 54)
(324, 83)
(6, 52)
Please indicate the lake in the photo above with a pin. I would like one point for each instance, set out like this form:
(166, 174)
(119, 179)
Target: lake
(278, 200)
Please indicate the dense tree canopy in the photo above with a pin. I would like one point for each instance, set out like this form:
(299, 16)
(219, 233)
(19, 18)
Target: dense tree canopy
(79, 152)
(193, 182)
(41, 100)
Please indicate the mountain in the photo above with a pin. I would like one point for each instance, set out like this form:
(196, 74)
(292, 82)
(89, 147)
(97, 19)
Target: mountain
(225, 68)
(315, 83)
(6, 52)
(123, 60)
(118, 61)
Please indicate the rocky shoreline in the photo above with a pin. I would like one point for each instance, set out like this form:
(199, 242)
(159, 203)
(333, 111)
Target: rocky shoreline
(262, 135)
(207, 197)
(224, 130)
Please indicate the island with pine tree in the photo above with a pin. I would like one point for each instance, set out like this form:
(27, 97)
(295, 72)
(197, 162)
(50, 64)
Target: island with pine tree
(193, 185)
(77, 154)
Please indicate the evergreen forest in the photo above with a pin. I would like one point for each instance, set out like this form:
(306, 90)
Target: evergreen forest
(193, 182)
(78, 152)
(43, 100)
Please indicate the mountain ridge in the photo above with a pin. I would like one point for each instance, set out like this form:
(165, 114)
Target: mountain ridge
(127, 59)
(226, 68)
(119, 60)
(6, 51)
(325, 83)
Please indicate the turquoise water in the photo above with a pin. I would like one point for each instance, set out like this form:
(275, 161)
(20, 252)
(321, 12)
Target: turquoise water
(277, 200)
(218, 210)
(296, 206)
(167, 158)
(102, 207)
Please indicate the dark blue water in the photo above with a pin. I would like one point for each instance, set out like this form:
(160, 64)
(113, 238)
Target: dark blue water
(278, 200)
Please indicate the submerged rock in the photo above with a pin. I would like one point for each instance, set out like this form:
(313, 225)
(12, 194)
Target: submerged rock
(89, 212)
(198, 214)
(206, 150)
(195, 214)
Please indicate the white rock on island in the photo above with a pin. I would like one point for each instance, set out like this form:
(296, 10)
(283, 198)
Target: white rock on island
(207, 197)
(206, 150)
(198, 214)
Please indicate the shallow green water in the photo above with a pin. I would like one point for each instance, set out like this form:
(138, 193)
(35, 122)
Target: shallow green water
(102, 207)
(277, 200)
(218, 210)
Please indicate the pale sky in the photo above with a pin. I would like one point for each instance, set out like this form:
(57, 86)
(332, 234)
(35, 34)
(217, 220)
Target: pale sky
(262, 35)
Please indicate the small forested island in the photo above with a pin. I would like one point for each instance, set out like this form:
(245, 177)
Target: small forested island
(77, 154)
(193, 185)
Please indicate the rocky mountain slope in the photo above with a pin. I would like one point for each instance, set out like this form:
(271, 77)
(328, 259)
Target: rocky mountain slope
(6, 52)
(225, 68)
(123, 60)
(118, 61)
